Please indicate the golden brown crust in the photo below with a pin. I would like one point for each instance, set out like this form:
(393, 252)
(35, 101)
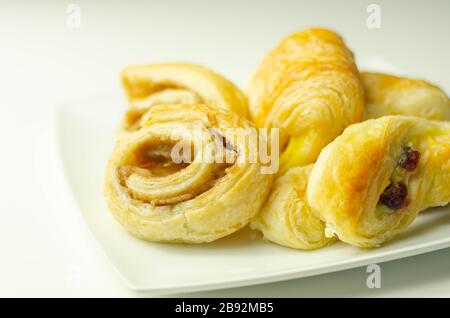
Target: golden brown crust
(174, 83)
(286, 217)
(199, 202)
(392, 95)
(354, 170)
(309, 87)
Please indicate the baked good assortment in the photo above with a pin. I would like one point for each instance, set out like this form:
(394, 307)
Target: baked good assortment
(287, 217)
(360, 153)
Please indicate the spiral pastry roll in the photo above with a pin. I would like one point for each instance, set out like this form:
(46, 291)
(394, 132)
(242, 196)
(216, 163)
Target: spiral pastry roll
(372, 181)
(153, 84)
(309, 87)
(391, 95)
(157, 198)
(286, 217)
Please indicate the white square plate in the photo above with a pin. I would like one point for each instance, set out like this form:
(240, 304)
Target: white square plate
(86, 132)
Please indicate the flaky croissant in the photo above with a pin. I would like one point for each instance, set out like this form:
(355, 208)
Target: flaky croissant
(392, 95)
(152, 84)
(309, 87)
(286, 217)
(157, 199)
(372, 181)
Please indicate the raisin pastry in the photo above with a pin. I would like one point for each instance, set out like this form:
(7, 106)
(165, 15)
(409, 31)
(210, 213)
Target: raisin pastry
(391, 95)
(309, 87)
(286, 217)
(371, 182)
(157, 198)
(152, 84)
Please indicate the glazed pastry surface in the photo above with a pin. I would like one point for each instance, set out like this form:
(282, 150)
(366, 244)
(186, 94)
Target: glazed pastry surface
(392, 95)
(152, 84)
(372, 181)
(286, 217)
(309, 87)
(158, 199)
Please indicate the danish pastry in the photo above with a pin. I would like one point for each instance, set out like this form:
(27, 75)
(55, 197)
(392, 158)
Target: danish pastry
(309, 88)
(391, 95)
(372, 181)
(286, 217)
(158, 199)
(153, 84)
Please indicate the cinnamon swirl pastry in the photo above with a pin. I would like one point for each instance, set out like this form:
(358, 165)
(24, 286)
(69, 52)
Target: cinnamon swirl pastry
(157, 198)
(309, 87)
(392, 95)
(152, 84)
(372, 181)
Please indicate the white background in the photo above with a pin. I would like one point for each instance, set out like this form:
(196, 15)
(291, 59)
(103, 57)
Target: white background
(43, 63)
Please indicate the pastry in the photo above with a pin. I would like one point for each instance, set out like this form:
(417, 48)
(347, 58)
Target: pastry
(152, 84)
(286, 217)
(391, 95)
(309, 88)
(158, 198)
(372, 181)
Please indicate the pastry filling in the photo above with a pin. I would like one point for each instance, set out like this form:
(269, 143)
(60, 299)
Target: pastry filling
(157, 159)
(222, 140)
(395, 195)
(409, 159)
(152, 176)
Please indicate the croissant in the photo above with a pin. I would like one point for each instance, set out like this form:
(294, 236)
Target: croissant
(372, 181)
(157, 198)
(391, 95)
(309, 88)
(153, 84)
(286, 217)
